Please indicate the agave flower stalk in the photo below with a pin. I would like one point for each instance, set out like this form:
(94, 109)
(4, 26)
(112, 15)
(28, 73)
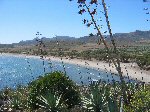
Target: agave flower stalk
(116, 61)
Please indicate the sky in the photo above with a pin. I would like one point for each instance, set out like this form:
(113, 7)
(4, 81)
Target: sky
(21, 19)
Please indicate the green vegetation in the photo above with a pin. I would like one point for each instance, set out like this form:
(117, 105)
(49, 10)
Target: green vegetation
(101, 99)
(51, 102)
(55, 92)
(140, 101)
(144, 61)
(55, 83)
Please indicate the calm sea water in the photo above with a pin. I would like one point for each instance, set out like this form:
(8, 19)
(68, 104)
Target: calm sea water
(20, 71)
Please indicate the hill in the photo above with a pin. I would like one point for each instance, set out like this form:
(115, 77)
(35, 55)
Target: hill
(121, 38)
(137, 36)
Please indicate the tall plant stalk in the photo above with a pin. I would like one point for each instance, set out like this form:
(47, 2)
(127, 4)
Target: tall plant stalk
(115, 60)
(116, 63)
(112, 41)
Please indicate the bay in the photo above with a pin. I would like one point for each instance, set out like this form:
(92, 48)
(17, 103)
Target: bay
(18, 70)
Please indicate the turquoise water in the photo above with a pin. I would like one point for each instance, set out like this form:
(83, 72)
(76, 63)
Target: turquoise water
(20, 71)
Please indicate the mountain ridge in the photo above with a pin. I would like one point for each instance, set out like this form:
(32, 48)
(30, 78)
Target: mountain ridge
(137, 36)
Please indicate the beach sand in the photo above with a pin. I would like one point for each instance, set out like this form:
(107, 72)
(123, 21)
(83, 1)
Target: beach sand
(129, 69)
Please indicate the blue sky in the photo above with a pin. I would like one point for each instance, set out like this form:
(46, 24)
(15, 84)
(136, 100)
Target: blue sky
(21, 19)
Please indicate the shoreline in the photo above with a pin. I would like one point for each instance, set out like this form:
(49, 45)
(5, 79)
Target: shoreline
(129, 69)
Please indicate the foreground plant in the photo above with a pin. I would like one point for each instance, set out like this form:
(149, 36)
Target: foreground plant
(14, 100)
(50, 102)
(100, 99)
(140, 101)
(93, 19)
(91, 7)
(55, 83)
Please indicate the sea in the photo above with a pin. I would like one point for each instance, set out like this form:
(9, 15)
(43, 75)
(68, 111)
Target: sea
(21, 70)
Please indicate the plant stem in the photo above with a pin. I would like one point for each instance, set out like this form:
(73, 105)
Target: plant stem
(118, 68)
(113, 41)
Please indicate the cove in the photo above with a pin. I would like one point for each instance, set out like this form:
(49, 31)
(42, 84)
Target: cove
(15, 70)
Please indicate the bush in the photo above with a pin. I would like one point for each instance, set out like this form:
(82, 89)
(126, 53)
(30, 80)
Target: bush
(124, 57)
(144, 61)
(14, 99)
(140, 101)
(58, 83)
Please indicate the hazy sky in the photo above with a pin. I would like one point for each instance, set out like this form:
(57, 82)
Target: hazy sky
(21, 19)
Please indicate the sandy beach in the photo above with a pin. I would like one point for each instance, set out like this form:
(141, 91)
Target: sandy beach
(129, 69)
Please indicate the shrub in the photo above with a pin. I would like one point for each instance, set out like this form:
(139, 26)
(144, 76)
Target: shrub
(100, 99)
(144, 61)
(124, 57)
(58, 83)
(140, 101)
(14, 99)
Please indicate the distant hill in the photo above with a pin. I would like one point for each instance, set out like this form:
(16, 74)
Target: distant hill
(44, 39)
(6, 46)
(88, 39)
(132, 37)
(63, 38)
